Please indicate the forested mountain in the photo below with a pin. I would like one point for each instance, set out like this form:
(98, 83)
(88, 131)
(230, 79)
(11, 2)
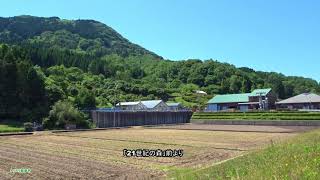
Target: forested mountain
(44, 60)
(80, 35)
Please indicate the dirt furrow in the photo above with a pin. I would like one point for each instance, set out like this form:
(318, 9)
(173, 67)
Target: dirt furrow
(74, 167)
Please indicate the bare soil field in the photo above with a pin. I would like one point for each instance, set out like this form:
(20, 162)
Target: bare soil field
(238, 128)
(99, 154)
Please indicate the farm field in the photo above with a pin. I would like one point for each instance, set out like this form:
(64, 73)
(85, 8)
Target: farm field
(237, 128)
(99, 154)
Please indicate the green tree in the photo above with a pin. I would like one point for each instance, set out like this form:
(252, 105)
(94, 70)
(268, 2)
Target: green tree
(235, 84)
(63, 113)
(85, 100)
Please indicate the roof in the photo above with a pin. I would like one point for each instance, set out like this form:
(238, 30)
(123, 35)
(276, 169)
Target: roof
(151, 103)
(302, 98)
(230, 98)
(238, 98)
(200, 92)
(262, 92)
(128, 103)
(173, 104)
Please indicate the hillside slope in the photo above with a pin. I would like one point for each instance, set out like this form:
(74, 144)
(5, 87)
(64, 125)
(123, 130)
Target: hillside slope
(80, 35)
(44, 60)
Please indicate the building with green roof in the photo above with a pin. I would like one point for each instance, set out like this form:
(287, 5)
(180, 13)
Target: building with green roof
(257, 99)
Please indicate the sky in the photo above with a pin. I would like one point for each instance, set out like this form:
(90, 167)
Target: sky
(275, 35)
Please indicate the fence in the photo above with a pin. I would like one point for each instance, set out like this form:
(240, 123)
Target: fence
(104, 119)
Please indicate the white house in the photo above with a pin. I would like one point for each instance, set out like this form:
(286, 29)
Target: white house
(132, 106)
(155, 105)
(151, 105)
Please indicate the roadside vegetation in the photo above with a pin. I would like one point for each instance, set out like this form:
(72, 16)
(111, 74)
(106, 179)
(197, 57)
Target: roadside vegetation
(297, 158)
(62, 114)
(280, 115)
(10, 126)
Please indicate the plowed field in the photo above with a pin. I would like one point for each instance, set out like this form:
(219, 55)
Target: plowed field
(99, 154)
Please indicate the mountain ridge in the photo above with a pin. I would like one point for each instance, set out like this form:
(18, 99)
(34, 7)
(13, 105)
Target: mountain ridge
(97, 49)
(82, 35)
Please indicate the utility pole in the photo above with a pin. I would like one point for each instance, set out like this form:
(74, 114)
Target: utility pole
(114, 114)
(97, 117)
(114, 109)
(261, 104)
(310, 103)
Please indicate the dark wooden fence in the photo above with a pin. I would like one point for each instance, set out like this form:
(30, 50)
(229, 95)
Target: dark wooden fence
(104, 119)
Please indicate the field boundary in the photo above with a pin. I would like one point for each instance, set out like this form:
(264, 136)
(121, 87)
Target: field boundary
(110, 128)
(94, 129)
(258, 122)
(226, 130)
(16, 134)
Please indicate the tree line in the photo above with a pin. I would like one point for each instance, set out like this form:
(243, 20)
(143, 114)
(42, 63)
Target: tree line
(33, 79)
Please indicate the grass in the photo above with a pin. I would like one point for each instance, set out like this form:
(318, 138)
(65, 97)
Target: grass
(10, 126)
(257, 116)
(297, 158)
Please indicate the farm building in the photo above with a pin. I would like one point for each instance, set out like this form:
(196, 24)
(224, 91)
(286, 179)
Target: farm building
(152, 105)
(302, 101)
(132, 106)
(174, 106)
(155, 105)
(257, 99)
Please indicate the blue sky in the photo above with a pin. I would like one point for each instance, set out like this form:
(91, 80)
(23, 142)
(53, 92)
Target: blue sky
(273, 35)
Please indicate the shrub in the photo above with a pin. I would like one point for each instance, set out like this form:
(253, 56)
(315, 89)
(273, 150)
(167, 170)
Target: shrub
(28, 127)
(62, 113)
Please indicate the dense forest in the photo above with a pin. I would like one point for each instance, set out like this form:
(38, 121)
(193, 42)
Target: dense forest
(45, 61)
(87, 36)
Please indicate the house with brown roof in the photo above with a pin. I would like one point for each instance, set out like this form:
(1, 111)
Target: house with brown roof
(301, 101)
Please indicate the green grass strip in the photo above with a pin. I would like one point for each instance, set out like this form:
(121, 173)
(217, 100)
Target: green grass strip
(298, 158)
(7, 128)
(10, 126)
